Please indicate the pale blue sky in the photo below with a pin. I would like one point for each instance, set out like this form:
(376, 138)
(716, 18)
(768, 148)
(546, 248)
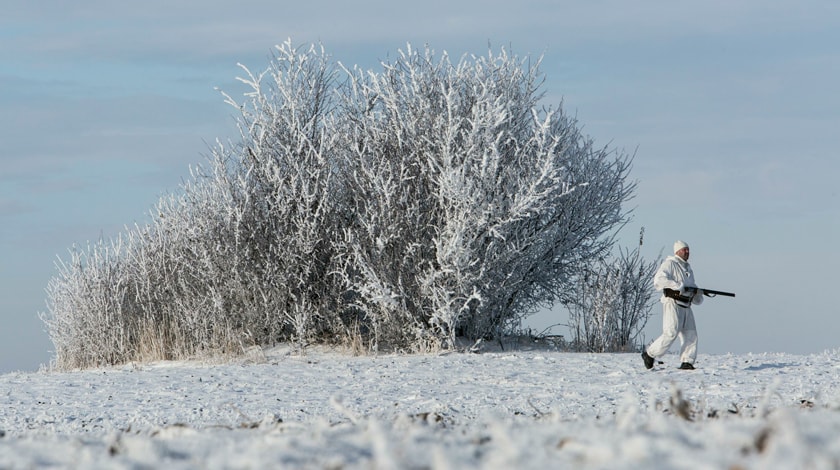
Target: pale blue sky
(732, 108)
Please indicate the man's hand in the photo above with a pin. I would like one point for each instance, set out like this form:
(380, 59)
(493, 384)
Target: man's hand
(692, 290)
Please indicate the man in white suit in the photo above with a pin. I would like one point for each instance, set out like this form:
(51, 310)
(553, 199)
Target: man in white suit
(675, 280)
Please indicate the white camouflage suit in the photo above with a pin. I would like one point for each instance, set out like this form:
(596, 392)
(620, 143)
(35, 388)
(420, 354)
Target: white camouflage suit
(677, 320)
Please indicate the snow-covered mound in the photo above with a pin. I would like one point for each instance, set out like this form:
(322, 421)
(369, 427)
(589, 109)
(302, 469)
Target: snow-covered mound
(515, 409)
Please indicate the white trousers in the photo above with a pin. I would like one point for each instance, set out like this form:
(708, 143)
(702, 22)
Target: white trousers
(676, 322)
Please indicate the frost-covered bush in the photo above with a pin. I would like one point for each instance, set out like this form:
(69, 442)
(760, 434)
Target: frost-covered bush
(397, 209)
(472, 206)
(613, 303)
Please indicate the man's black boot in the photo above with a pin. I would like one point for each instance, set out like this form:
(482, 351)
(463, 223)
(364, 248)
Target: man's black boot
(686, 366)
(648, 360)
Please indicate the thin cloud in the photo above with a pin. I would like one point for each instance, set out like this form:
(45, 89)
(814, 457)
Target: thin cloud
(10, 207)
(202, 31)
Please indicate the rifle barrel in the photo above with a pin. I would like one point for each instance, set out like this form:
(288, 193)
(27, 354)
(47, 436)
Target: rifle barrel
(712, 293)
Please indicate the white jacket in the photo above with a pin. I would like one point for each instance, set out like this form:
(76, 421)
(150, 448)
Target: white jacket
(675, 273)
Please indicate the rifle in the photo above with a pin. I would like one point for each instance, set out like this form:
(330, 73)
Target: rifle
(675, 294)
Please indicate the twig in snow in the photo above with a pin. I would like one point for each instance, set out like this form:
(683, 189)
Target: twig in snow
(539, 412)
(339, 406)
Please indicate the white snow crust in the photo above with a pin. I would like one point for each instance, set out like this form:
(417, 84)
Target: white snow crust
(523, 408)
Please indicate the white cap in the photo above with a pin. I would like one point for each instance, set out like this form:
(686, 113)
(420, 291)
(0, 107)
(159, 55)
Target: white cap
(679, 245)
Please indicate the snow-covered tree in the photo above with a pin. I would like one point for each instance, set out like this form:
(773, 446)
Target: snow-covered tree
(615, 296)
(472, 205)
(397, 209)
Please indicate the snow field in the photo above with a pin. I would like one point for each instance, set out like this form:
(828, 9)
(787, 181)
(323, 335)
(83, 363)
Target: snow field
(517, 409)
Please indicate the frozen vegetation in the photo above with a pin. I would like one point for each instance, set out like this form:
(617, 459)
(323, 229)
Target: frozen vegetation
(383, 210)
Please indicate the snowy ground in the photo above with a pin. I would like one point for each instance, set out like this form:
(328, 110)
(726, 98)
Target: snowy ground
(515, 409)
